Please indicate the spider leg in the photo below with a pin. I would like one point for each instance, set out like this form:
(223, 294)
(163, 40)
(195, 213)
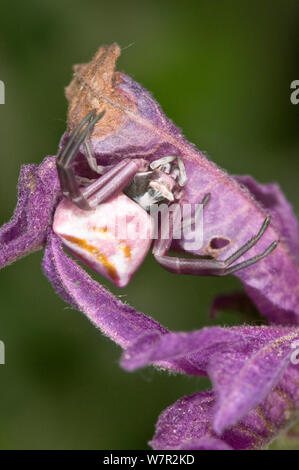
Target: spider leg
(161, 161)
(69, 185)
(182, 172)
(163, 242)
(165, 164)
(91, 160)
(202, 266)
(112, 181)
(66, 155)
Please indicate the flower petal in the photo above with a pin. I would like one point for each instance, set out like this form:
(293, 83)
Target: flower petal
(117, 320)
(271, 197)
(233, 213)
(190, 420)
(244, 363)
(135, 126)
(243, 379)
(39, 190)
(186, 420)
(198, 347)
(205, 443)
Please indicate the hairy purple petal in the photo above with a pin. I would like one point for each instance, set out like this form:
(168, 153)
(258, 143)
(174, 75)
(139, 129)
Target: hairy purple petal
(191, 418)
(244, 363)
(38, 194)
(243, 379)
(233, 213)
(271, 197)
(198, 347)
(204, 443)
(117, 320)
(135, 126)
(186, 420)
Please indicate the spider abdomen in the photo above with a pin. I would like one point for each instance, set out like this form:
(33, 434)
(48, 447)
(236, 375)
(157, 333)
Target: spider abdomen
(113, 239)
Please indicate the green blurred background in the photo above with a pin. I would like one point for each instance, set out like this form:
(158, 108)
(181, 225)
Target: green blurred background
(222, 71)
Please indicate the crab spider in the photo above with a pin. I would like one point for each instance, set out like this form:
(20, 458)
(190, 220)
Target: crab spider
(129, 189)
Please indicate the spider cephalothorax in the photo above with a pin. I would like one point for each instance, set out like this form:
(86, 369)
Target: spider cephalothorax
(163, 182)
(89, 218)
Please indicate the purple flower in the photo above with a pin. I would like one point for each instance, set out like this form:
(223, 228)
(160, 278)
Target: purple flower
(39, 192)
(255, 385)
(134, 126)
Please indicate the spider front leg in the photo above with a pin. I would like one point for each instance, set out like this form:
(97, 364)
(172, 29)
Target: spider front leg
(204, 266)
(112, 182)
(68, 182)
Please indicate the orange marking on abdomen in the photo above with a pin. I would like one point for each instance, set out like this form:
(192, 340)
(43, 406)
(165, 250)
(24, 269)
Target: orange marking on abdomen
(126, 249)
(93, 250)
(100, 229)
